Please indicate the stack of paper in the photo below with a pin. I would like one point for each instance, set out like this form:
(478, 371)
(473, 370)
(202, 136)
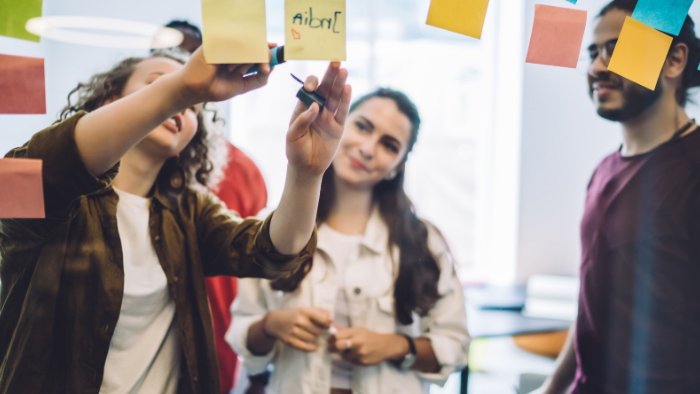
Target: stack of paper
(552, 297)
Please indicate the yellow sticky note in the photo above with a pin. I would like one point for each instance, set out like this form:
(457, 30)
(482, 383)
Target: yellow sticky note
(640, 53)
(460, 16)
(234, 31)
(314, 30)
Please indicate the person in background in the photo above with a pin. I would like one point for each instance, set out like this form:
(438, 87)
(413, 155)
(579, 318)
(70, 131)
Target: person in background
(106, 294)
(638, 327)
(192, 35)
(382, 277)
(243, 190)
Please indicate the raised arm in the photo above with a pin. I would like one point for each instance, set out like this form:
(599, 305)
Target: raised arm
(312, 141)
(106, 134)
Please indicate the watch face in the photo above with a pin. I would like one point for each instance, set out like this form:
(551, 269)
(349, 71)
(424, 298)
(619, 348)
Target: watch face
(408, 361)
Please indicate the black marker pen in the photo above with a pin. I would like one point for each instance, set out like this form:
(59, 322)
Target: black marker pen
(309, 98)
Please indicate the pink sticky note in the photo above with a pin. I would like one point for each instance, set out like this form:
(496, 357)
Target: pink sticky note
(22, 85)
(21, 189)
(557, 36)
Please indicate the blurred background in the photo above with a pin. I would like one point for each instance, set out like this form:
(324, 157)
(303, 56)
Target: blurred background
(504, 155)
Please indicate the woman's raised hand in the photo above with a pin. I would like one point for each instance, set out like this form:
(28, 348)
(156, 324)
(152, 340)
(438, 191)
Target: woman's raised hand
(314, 136)
(298, 328)
(218, 82)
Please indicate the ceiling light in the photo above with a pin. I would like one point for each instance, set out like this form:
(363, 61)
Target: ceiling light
(143, 35)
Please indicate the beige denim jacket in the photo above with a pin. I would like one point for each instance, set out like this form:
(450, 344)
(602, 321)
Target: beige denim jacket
(369, 284)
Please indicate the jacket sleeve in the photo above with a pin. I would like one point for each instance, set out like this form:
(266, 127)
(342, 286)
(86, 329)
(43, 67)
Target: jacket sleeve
(249, 307)
(65, 181)
(446, 323)
(243, 248)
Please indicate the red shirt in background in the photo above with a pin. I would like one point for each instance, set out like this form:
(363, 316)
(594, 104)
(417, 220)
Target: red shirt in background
(242, 190)
(638, 326)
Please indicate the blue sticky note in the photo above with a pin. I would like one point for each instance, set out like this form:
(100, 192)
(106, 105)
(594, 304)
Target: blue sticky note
(572, 1)
(665, 15)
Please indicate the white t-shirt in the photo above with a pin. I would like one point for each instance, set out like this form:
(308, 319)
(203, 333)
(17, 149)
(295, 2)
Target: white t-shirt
(144, 354)
(340, 247)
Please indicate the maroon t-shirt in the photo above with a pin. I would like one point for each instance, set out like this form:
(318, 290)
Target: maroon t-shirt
(638, 327)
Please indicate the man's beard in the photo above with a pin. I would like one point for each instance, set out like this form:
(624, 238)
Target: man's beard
(635, 100)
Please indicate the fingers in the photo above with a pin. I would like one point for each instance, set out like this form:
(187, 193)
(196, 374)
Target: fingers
(344, 105)
(304, 335)
(254, 81)
(311, 83)
(302, 123)
(328, 79)
(320, 317)
(301, 345)
(336, 91)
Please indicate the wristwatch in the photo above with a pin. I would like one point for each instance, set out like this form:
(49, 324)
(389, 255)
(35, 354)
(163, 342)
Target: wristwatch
(410, 358)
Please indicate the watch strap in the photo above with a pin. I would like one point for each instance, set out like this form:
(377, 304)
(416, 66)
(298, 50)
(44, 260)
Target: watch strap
(411, 344)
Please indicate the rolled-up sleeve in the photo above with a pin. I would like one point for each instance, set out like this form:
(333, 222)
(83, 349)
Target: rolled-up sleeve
(236, 247)
(446, 323)
(250, 307)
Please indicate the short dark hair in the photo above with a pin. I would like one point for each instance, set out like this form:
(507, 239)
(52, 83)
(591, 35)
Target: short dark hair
(180, 25)
(691, 75)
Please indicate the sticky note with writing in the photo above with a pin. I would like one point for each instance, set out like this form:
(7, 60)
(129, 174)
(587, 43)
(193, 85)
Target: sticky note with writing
(14, 15)
(460, 16)
(21, 189)
(314, 30)
(640, 53)
(22, 85)
(234, 31)
(665, 15)
(557, 35)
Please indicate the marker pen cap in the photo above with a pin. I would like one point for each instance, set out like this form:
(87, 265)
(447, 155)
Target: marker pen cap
(309, 98)
(277, 58)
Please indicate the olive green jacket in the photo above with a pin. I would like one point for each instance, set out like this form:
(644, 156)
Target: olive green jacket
(63, 277)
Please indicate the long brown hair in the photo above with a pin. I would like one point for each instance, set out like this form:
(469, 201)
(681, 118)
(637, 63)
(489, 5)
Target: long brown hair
(193, 165)
(415, 289)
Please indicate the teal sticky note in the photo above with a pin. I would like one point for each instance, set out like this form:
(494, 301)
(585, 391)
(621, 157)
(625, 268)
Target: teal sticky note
(14, 14)
(572, 1)
(665, 15)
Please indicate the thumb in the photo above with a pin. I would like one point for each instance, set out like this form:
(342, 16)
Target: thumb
(303, 122)
(320, 317)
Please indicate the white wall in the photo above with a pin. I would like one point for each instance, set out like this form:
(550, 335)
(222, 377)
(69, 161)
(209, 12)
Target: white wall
(562, 142)
(68, 64)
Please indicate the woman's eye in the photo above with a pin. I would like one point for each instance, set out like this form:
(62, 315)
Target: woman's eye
(391, 147)
(361, 126)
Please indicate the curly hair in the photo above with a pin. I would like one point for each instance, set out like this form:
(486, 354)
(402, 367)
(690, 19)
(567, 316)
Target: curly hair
(194, 164)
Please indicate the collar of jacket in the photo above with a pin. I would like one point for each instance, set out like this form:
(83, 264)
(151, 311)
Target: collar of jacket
(376, 236)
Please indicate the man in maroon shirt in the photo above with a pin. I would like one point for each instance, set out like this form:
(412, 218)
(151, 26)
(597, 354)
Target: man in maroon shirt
(638, 328)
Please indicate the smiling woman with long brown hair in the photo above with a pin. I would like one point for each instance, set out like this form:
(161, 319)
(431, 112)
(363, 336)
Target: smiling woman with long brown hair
(107, 293)
(382, 277)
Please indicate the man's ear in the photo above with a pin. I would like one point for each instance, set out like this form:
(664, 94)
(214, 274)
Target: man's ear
(676, 61)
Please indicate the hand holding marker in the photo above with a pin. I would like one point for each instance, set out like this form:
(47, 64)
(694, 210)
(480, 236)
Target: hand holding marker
(277, 58)
(305, 96)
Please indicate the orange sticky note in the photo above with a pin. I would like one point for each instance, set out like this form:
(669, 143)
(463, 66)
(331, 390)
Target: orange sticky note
(557, 36)
(22, 85)
(21, 189)
(460, 16)
(640, 53)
